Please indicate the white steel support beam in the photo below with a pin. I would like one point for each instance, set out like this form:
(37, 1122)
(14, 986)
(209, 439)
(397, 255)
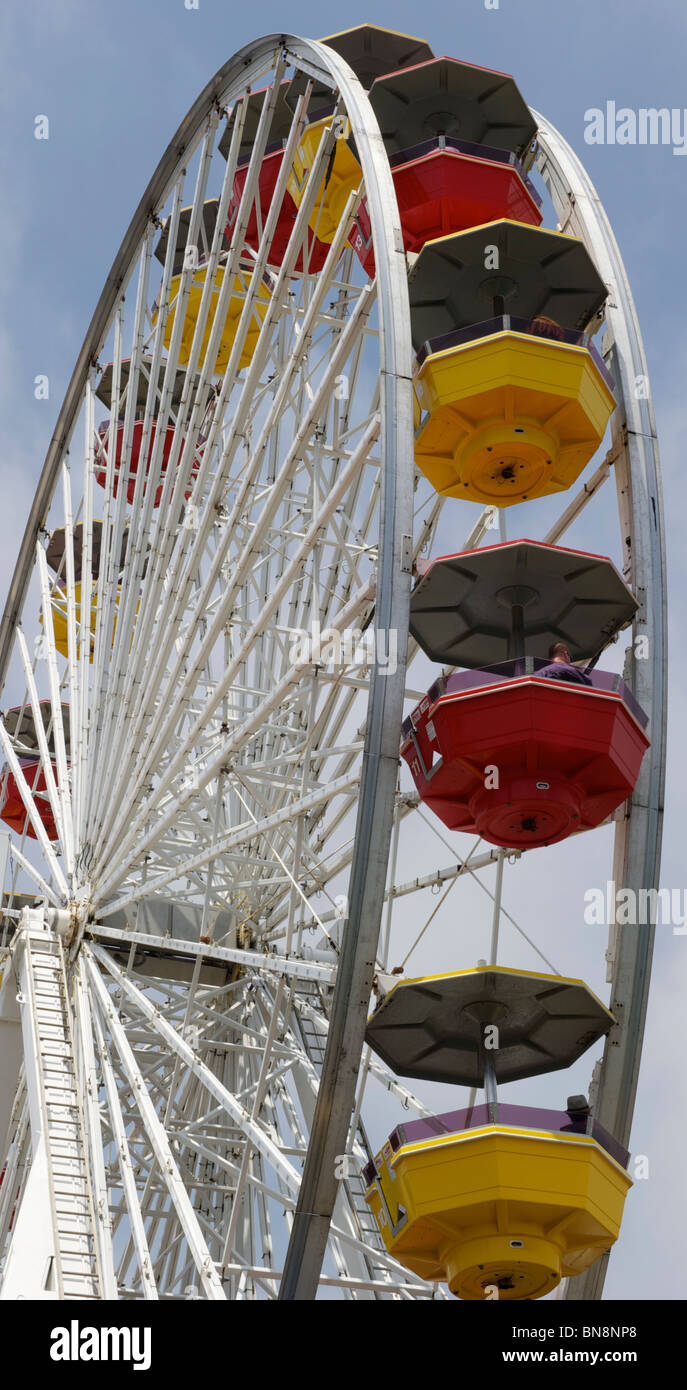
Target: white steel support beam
(288, 967)
(238, 1112)
(89, 1093)
(32, 1267)
(126, 1168)
(160, 1144)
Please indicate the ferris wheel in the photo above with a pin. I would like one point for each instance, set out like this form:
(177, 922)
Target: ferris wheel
(277, 683)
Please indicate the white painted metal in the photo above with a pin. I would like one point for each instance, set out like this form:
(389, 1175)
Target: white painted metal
(222, 772)
(53, 1252)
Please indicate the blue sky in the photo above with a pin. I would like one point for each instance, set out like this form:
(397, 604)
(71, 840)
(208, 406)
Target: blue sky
(115, 80)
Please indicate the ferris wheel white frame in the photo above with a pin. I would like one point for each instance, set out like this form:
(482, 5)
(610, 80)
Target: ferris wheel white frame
(636, 466)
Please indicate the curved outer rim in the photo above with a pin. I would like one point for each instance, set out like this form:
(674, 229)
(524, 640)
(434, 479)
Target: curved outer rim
(336, 1095)
(640, 504)
(638, 837)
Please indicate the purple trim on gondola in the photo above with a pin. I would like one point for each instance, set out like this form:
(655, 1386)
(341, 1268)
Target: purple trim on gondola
(469, 147)
(520, 1116)
(511, 323)
(275, 147)
(462, 681)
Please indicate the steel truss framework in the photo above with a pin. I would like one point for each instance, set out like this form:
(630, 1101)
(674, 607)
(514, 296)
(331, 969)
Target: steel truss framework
(186, 1004)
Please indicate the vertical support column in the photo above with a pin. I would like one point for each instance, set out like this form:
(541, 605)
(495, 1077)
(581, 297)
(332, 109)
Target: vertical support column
(336, 1097)
(32, 1268)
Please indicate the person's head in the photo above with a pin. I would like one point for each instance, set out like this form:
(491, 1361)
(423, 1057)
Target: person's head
(559, 652)
(545, 327)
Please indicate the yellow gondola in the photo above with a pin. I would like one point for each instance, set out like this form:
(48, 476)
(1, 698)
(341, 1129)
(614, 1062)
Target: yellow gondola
(242, 283)
(342, 177)
(510, 416)
(498, 1211)
(58, 602)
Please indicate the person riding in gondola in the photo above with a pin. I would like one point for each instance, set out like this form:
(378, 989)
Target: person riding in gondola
(561, 667)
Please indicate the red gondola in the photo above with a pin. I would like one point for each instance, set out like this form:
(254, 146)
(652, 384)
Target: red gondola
(446, 186)
(12, 809)
(524, 761)
(267, 180)
(104, 392)
(137, 435)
